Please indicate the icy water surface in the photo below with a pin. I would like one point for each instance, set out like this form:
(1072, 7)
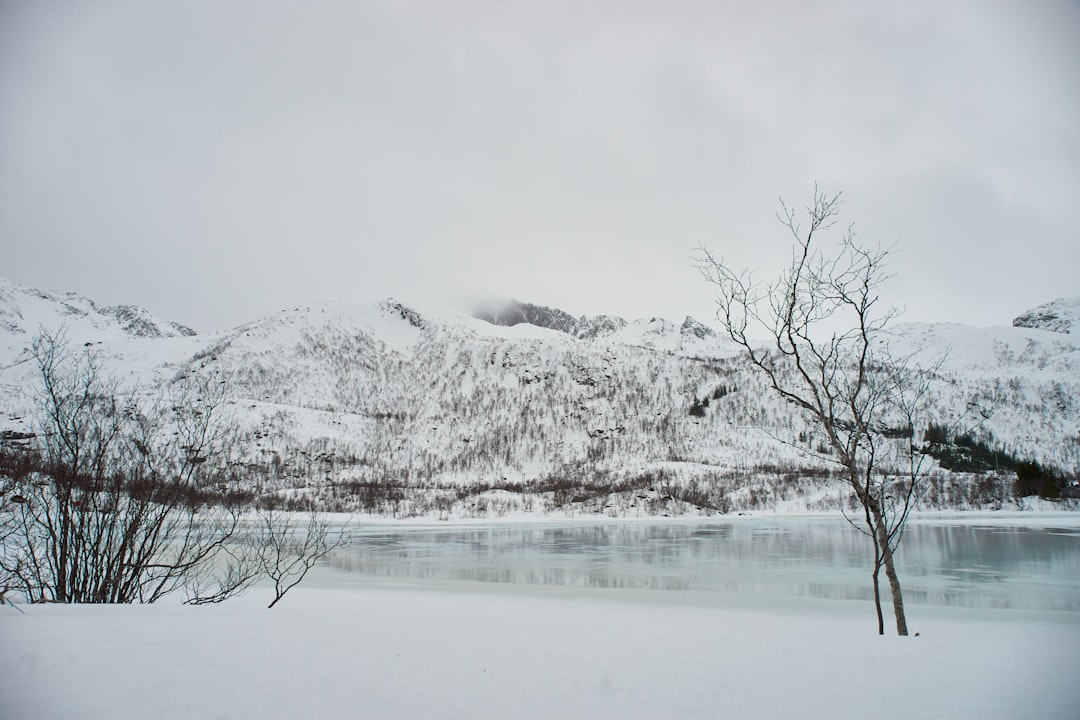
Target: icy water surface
(942, 564)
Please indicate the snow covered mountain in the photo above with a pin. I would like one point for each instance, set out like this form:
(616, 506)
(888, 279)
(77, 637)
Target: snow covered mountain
(404, 411)
(22, 310)
(1062, 315)
(136, 342)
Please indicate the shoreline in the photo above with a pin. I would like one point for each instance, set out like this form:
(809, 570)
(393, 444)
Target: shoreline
(1038, 517)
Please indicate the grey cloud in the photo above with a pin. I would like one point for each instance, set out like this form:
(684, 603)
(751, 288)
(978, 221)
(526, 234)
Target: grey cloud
(216, 161)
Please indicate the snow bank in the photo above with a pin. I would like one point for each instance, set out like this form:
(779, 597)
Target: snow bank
(395, 652)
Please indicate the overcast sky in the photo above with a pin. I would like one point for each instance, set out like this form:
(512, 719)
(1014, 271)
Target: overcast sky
(217, 160)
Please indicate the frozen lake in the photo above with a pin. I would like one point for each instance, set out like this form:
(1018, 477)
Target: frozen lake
(947, 562)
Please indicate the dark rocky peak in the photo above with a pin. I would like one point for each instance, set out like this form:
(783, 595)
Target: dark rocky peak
(393, 307)
(516, 313)
(1061, 316)
(691, 326)
(591, 327)
(138, 322)
(584, 327)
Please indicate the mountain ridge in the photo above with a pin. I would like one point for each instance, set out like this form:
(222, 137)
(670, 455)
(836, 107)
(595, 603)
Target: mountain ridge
(21, 311)
(329, 396)
(515, 312)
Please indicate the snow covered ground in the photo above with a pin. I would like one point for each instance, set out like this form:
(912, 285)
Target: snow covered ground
(339, 647)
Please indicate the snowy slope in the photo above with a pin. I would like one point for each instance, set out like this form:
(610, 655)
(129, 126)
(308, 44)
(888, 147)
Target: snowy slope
(131, 342)
(333, 394)
(23, 310)
(1028, 378)
(115, 329)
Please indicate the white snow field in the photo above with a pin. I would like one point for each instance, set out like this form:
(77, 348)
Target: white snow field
(400, 651)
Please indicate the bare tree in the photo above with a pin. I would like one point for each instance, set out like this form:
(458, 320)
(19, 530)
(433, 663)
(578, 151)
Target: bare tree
(119, 497)
(284, 552)
(819, 336)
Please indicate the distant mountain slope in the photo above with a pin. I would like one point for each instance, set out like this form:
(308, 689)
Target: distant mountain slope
(340, 399)
(638, 332)
(23, 310)
(1062, 316)
(134, 344)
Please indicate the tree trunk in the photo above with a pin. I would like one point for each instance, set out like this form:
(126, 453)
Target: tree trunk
(877, 595)
(872, 528)
(894, 581)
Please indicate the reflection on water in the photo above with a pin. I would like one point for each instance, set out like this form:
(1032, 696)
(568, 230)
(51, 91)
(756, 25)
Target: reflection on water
(950, 565)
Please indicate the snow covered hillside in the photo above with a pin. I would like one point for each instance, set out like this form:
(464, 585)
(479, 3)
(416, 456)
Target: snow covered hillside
(399, 410)
(22, 310)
